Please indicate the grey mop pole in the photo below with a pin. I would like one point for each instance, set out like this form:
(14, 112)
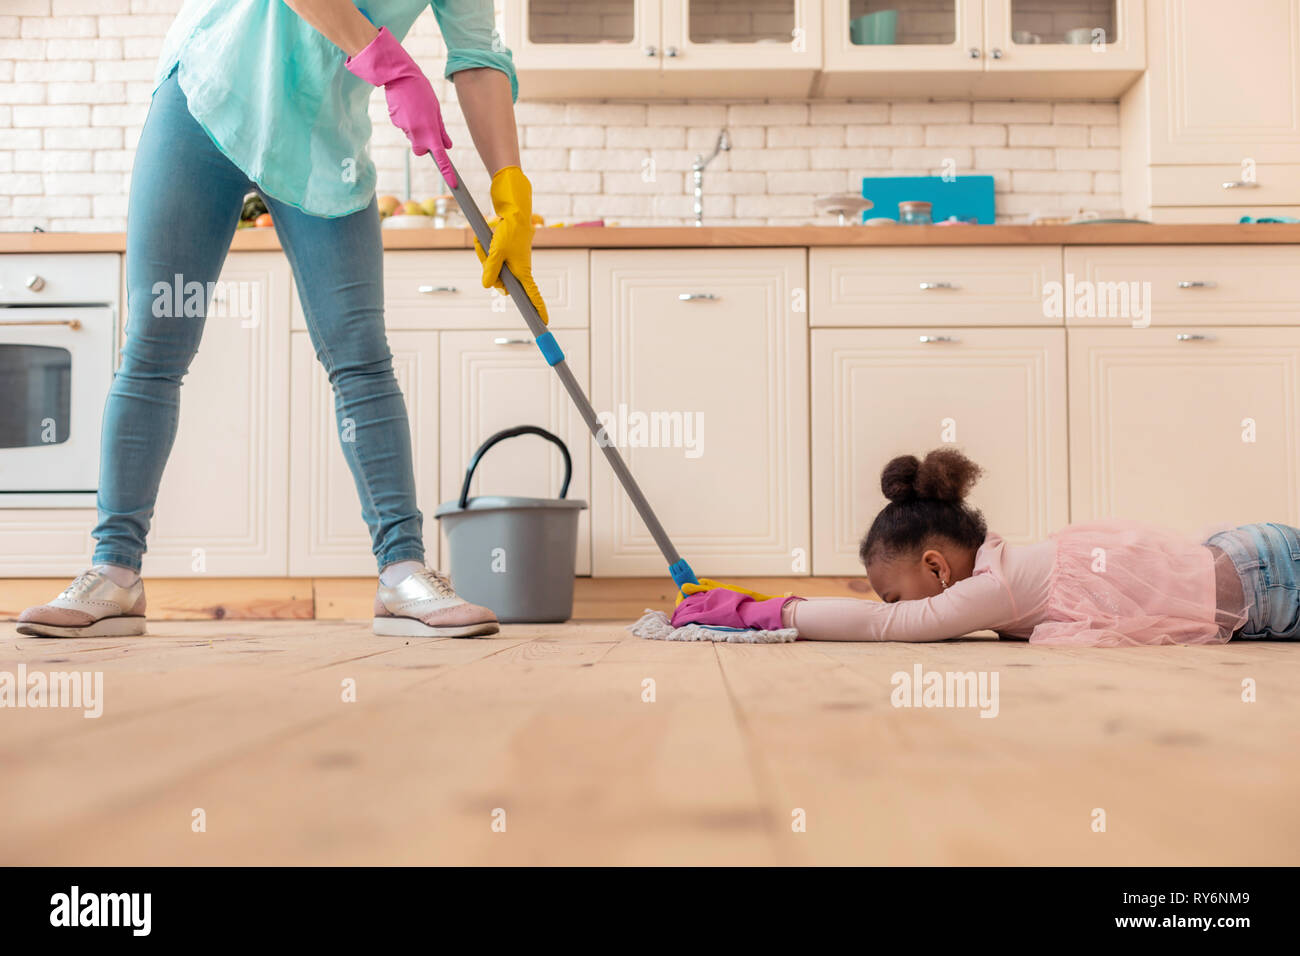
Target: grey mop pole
(677, 567)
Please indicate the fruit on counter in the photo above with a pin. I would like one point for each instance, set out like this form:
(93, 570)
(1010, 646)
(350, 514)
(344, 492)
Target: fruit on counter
(429, 207)
(387, 205)
(413, 208)
(263, 221)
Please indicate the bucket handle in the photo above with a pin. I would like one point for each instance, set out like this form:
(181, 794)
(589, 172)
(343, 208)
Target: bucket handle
(511, 433)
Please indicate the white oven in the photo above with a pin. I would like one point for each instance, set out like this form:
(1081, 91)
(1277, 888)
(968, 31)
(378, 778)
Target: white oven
(58, 340)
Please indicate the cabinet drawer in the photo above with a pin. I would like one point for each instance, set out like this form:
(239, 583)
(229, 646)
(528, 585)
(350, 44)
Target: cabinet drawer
(982, 285)
(1222, 185)
(443, 289)
(1189, 285)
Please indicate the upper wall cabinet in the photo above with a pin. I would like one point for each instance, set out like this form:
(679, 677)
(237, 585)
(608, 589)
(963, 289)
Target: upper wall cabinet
(648, 48)
(1225, 84)
(1029, 49)
(1211, 131)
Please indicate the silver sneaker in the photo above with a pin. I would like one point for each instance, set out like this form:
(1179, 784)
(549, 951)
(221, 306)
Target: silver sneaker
(91, 606)
(423, 604)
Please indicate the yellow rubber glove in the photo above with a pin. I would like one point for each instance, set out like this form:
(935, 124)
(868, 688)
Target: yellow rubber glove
(512, 235)
(708, 585)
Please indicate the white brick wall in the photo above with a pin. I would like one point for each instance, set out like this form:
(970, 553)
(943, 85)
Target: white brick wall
(75, 77)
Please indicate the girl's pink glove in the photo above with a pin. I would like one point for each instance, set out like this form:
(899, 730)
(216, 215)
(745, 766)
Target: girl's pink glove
(724, 608)
(412, 104)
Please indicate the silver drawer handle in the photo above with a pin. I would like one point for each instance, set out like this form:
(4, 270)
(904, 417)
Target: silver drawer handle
(431, 289)
(35, 283)
(1241, 184)
(692, 296)
(925, 286)
(1193, 337)
(1197, 285)
(939, 338)
(651, 51)
(502, 340)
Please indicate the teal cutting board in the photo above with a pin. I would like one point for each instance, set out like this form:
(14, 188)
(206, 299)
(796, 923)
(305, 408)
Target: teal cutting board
(966, 197)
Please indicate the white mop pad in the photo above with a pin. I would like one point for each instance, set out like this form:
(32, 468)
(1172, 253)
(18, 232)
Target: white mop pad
(656, 626)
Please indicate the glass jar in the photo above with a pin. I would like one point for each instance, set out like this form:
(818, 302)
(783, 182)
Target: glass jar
(914, 213)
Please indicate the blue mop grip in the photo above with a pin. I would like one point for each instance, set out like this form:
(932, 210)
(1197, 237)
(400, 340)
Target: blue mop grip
(551, 350)
(682, 574)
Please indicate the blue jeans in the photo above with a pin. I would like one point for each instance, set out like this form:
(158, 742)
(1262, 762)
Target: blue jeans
(1267, 557)
(185, 201)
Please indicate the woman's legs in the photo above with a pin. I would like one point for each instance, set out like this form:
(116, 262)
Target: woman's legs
(338, 268)
(183, 209)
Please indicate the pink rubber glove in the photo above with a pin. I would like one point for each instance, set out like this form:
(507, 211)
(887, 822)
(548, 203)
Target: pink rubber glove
(412, 104)
(725, 608)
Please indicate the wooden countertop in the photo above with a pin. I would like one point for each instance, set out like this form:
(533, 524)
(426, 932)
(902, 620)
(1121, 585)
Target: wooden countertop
(647, 237)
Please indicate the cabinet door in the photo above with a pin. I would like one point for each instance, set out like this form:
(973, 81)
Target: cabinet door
(496, 380)
(326, 530)
(1032, 35)
(996, 394)
(220, 509)
(1187, 432)
(735, 46)
(556, 41)
(947, 36)
(699, 360)
(1225, 81)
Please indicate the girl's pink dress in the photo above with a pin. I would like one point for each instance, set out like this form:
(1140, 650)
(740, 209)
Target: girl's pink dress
(1120, 582)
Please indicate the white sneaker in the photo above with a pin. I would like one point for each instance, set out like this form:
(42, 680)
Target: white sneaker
(423, 604)
(91, 606)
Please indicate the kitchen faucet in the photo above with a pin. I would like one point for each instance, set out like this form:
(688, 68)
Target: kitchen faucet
(697, 173)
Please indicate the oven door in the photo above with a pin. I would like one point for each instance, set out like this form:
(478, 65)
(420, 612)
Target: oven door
(56, 366)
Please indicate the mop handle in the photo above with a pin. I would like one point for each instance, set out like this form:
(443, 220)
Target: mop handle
(681, 571)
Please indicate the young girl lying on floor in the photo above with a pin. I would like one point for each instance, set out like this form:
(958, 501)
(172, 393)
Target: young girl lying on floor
(942, 574)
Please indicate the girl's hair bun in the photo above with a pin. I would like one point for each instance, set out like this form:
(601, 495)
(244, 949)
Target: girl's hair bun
(945, 475)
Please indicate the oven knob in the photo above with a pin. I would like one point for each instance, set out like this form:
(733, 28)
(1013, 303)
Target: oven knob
(35, 283)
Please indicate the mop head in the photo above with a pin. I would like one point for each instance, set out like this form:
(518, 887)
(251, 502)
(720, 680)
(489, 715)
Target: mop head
(655, 626)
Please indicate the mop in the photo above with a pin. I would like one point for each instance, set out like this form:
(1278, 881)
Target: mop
(653, 624)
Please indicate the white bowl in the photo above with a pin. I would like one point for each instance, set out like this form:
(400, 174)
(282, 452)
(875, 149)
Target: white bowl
(408, 221)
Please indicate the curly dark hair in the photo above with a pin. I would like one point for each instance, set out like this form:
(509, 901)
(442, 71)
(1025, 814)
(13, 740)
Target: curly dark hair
(926, 501)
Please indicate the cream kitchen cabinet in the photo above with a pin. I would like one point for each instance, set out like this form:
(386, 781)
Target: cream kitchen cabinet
(698, 360)
(1221, 100)
(646, 48)
(1189, 428)
(984, 48)
(220, 508)
(999, 395)
(497, 379)
(327, 535)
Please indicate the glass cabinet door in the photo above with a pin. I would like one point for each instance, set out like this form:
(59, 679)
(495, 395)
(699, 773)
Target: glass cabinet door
(752, 36)
(580, 21)
(1091, 23)
(1065, 35)
(583, 35)
(902, 35)
(741, 21)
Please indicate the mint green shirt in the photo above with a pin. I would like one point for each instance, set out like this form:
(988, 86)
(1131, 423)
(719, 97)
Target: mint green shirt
(274, 95)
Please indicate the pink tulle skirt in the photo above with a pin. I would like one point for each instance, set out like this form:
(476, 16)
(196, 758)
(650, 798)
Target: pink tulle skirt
(1119, 582)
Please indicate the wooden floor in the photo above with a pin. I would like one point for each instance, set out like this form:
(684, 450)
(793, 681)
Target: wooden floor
(546, 727)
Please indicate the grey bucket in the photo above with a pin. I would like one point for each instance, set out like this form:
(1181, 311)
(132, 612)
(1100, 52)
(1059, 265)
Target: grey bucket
(530, 578)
